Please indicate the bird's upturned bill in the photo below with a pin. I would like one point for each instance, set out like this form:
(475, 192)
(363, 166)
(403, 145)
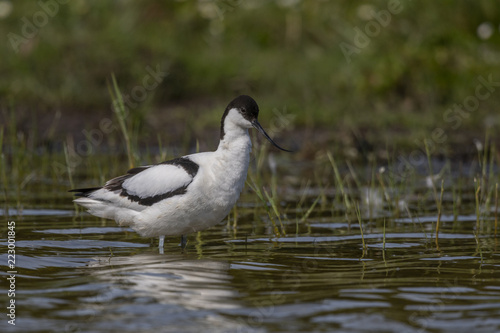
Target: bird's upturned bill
(257, 126)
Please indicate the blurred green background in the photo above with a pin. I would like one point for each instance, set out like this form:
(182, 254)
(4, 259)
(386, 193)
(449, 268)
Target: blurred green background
(389, 85)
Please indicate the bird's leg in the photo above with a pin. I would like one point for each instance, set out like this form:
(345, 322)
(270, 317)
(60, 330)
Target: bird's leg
(160, 244)
(183, 241)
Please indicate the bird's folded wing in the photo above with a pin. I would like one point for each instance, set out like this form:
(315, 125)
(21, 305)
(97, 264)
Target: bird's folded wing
(146, 185)
(153, 183)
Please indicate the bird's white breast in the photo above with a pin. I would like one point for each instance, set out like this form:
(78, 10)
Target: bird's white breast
(224, 171)
(208, 199)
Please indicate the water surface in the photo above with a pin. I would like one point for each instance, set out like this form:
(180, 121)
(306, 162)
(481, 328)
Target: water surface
(78, 273)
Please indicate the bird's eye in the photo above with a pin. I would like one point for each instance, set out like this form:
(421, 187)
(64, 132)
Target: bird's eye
(243, 110)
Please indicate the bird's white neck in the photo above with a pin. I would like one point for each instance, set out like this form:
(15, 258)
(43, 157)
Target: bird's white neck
(236, 141)
(235, 137)
(231, 166)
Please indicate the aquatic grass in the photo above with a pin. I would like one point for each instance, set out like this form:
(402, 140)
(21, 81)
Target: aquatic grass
(254, 187)
(197, 147)
(485, 157)
(399, 187)
(477, 188)
(457, 201)
(199, 244)
(383, 244)
(186, 138)
(305, 216)
(383, 238)
(322, 189)
(478, 248)
(489, 180)
(121, 115)
(353, 174)
(261, 153)
(491, 154)
(20, 159)
(235, 217)
(496, 209)
(274, 206)
(431, 171)
(309, 211)
(68, 168)
(303, 190)
(162, 152)
(440, 211)
(482, 152)
(454, 196)
(256, 177)
(340, 184)
(384, 189)
(273, 180)
(350, 190)
(372, 189)
(358, 215)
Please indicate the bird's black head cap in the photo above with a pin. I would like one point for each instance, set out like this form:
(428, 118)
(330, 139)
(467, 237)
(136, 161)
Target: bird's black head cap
(246, 105)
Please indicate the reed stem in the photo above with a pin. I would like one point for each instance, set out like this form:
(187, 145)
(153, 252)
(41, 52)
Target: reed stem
(477, 204)
(496, 209)
(440, 206)
(121, 115)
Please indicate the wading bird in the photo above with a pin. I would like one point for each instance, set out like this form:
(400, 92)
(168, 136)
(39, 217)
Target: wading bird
(186, 194)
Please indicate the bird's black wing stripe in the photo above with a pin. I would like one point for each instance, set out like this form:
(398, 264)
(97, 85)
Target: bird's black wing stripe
(188, 165)
(149, 201)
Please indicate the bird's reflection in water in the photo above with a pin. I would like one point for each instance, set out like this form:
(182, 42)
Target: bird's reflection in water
(174, 279)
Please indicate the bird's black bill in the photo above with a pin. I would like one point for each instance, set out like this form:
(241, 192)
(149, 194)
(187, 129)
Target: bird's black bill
(259, 128)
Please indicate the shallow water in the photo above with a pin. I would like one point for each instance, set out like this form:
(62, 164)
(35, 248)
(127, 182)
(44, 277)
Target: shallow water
(78, 273)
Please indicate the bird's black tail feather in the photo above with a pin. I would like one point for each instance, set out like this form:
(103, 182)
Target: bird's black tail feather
(84, 192)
